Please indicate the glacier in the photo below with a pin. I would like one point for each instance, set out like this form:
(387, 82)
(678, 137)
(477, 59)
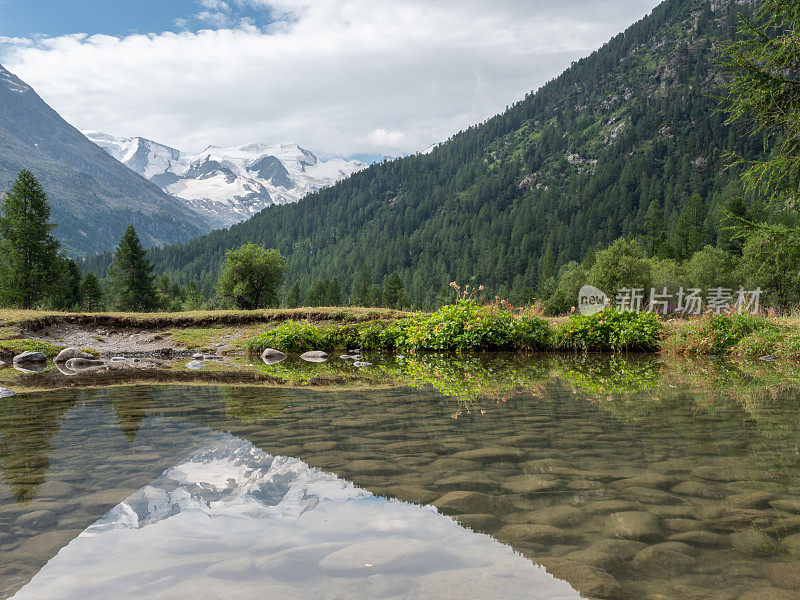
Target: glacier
(228, 184)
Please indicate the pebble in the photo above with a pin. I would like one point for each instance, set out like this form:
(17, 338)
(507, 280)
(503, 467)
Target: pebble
(361, 363)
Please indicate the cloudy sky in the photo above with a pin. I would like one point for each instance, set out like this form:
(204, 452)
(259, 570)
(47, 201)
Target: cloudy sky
(340, 77)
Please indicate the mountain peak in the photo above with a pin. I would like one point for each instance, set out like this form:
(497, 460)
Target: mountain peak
(229, 184)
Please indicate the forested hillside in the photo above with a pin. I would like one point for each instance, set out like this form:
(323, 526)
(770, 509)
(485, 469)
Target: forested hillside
(626, 142)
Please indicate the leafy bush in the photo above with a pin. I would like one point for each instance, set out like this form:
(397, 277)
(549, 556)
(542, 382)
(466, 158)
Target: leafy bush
(466, 325)
(462, 326)
(295, 336)
(720, 334)
(610, 330)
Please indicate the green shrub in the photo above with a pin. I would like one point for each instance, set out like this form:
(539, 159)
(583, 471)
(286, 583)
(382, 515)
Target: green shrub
(466, 325)
(461, 326)
(610, 330)
(746, 334)
(295, 336)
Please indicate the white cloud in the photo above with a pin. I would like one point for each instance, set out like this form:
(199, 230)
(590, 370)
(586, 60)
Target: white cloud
(336, 76)
(381, 138)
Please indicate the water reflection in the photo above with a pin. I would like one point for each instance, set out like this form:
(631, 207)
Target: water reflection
(232, 520)
(627, 479)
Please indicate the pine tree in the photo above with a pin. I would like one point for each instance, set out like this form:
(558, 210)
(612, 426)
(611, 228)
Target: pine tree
(333, 293)
(28, 252)
(130, 275)
(764, 90)
(294, 297)
(394, 292)
(360, 295)
(91, 293)
(67, 295)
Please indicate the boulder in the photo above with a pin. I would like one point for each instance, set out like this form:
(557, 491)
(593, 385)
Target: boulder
(271, 356)
(83, 363)
(194, 365)
(314, 356)
(69, 353)
(6, 393)
(633, 525)
(197, 356)
(29, 358)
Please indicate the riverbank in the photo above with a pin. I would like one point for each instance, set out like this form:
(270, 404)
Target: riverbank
(460, 327)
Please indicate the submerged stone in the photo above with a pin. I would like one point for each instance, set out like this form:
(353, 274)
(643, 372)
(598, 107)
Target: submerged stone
(588, 580)
(633, 525)
(465, 502)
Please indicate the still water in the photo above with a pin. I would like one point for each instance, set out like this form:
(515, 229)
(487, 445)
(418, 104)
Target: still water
(573, 485)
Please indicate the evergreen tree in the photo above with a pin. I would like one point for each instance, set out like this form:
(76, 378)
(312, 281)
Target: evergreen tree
(653, 226)
(375, 296)
(294, 297)
(67, 293)
(28, 252)
(130, 276)
(360, 294)
(333, 293)
(317, 293)
(764, 90)
(91, 293)
(394, 292)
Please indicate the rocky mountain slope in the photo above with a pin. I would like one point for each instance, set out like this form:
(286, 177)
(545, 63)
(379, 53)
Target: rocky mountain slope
(93, 197)
(229, 184)
(507, 202)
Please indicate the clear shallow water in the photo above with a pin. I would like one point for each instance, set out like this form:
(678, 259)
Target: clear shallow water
(185, 492)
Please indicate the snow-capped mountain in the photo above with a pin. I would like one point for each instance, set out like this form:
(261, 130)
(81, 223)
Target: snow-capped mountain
(228, 184)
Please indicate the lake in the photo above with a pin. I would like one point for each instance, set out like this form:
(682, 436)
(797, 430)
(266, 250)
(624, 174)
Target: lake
(547, 478)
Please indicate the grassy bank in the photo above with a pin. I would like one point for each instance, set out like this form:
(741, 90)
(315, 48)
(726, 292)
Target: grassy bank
(463, 326)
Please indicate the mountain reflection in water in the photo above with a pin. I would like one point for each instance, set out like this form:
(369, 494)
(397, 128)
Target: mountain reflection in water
(234, 521)
(630, 479)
